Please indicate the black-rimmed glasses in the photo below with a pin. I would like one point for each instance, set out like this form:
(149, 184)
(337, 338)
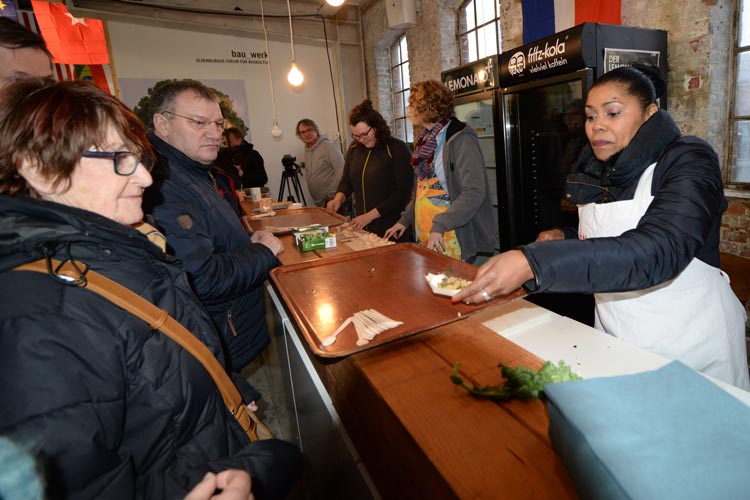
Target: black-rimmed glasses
(359, 137)
(201, 124)
(125, 162)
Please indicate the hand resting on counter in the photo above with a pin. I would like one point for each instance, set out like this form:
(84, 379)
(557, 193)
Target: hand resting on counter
(268, 240)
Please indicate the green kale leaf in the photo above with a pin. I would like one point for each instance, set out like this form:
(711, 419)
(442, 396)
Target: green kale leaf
(520, 383)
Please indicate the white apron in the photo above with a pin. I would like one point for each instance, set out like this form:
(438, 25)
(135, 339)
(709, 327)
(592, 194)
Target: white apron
(694, 317)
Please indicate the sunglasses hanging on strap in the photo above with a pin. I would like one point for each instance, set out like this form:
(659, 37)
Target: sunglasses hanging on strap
(158, 319)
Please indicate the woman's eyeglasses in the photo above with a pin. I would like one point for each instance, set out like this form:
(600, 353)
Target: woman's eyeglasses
(201, 124)
(359, 137)
(125, 162)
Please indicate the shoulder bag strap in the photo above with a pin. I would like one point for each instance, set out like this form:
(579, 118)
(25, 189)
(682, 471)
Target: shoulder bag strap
(160, 320)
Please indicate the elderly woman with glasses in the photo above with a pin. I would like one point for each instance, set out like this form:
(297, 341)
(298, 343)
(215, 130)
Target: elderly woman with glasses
(376, 172)
(112, 407)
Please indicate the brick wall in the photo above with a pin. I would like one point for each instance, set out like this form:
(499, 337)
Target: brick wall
(699, 45)
(735, 228)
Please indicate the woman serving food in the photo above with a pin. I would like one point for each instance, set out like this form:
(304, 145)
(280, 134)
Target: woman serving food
(647, 244)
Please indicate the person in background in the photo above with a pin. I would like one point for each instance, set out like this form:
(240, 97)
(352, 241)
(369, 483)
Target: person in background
(376, 172)
(23, 53)
(451, 210)
(239, 156)
(113, 408)
(324, 163)
(226, 265)
(647, 243)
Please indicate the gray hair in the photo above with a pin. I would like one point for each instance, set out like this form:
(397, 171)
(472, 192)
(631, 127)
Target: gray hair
(165, 95)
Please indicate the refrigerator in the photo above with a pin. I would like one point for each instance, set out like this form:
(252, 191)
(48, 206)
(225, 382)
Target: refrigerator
(475, 88)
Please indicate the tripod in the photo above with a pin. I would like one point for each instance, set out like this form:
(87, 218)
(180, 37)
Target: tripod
(290, 180)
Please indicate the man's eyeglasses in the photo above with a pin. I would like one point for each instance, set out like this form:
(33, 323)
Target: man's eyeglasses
(201, 124)
(364, 135)
(306, 131)
(126, 163)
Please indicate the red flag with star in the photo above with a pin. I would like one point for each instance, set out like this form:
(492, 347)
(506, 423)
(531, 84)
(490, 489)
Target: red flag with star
(71, 40)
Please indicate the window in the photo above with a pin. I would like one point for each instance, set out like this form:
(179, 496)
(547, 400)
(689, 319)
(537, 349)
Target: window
(478, 29)
(402, 128)
(739, 148)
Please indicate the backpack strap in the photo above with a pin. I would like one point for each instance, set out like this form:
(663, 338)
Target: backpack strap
(158, 319)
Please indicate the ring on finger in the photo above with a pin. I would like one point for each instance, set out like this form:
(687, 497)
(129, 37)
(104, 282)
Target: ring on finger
(487, 297)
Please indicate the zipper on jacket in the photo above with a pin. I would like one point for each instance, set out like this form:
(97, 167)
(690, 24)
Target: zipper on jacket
(231, 323)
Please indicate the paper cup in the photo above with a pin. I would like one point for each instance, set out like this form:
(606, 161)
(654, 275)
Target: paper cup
(255, 194)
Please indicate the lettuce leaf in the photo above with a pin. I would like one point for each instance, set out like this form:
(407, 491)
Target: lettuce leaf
(520, 383)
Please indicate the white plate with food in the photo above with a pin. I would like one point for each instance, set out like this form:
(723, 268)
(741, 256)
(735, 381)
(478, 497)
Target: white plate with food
(442, 284)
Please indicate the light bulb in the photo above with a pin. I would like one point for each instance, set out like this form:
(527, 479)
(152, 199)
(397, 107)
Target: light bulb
(335, 3)
(275, 131)
(295, 76)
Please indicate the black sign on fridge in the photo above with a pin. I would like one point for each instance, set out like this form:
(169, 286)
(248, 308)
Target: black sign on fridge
(543, 87)
(475, 88)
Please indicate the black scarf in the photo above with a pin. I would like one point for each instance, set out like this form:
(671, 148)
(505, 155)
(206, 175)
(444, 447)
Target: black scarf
(595, 181)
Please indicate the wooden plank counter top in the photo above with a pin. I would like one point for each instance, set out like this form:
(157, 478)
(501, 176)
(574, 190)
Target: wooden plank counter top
(420, 436)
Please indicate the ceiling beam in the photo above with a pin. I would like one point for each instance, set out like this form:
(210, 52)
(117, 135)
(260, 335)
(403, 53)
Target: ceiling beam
(221, 16)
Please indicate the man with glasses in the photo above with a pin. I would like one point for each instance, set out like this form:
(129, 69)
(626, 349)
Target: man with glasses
(226, 266)
(324, 163)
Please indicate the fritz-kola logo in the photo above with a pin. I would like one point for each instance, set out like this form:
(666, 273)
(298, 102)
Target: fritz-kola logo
(538, 55)
(517, 63)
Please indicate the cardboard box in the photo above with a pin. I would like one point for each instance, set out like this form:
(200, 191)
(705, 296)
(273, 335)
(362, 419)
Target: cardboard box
(313, 237)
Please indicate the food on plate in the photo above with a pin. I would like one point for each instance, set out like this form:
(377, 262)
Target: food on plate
(442, 284)
(453, 283)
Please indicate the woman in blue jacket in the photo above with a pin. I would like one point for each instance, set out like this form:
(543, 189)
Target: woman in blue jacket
(647, 245)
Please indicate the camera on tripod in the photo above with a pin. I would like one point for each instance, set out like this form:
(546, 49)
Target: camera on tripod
(290, 180)
(290, 163)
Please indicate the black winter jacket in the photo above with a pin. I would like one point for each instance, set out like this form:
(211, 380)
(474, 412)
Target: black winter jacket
(226, 269)
(682, 222)
(250, 160)
(380, 178)
(113, 409)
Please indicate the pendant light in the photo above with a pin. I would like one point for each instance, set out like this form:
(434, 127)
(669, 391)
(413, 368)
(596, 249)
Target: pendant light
(275, 130)
(335, 3)
(295, 76)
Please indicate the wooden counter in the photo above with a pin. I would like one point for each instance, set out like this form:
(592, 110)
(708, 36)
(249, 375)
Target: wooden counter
(416, 435)
(420, 436)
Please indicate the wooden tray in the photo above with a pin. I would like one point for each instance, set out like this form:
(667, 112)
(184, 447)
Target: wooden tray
(321, 294)
(285, 220)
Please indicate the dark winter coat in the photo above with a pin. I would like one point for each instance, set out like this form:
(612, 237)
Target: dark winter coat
(682, 222)
(247, 158)
(112, 408)
(226, 269)
(380, 178)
